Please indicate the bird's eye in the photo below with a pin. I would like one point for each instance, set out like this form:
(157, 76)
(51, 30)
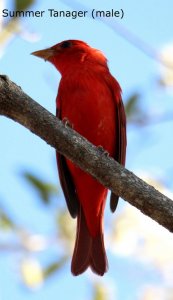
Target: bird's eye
(66, 44)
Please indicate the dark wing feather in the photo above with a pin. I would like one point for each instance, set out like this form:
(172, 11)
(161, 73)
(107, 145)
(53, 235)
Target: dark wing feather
(120, 155)
(121, 132)
(67, 183)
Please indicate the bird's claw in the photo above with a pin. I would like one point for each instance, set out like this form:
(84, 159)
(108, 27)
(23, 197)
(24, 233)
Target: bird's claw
(67, 123)
(103, 151)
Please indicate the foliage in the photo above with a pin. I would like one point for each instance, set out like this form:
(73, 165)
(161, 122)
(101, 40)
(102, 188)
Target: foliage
(23, 4)
(6, 222)
(45, 190)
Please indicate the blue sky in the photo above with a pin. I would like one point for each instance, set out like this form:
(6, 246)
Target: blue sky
(148, 149)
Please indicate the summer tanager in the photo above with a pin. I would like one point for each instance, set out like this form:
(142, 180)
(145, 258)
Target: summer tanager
(89, 98)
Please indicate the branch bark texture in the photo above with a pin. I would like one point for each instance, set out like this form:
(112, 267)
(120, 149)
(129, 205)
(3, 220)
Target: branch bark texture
(18, 106)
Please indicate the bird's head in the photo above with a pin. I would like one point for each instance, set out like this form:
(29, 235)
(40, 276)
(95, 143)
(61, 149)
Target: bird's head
(71, 53)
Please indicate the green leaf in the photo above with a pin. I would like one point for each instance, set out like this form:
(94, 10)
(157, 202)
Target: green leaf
(54, 267)
(23, 4)
(134, 112)
(132, 105)
(5, 221)
(44, 189)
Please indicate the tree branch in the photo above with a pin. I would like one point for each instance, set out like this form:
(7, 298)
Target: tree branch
(18, 106)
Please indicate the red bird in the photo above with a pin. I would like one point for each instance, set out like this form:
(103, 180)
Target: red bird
(89, 97)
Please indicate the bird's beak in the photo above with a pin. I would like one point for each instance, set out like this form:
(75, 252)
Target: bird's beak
(46, 54)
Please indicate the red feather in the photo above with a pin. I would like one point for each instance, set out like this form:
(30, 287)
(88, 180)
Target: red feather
(90, 98)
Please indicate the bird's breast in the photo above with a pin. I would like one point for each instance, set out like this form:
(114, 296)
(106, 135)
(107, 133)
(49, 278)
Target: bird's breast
(89, 106)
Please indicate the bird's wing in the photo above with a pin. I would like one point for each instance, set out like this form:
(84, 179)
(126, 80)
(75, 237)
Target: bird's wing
(120, 154)
(67, 182)
(121, 132)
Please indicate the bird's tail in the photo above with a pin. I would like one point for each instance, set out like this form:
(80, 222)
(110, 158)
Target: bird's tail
(89, 251)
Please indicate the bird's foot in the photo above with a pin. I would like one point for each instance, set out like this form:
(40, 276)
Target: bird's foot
(103, 151)
(67, 123)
